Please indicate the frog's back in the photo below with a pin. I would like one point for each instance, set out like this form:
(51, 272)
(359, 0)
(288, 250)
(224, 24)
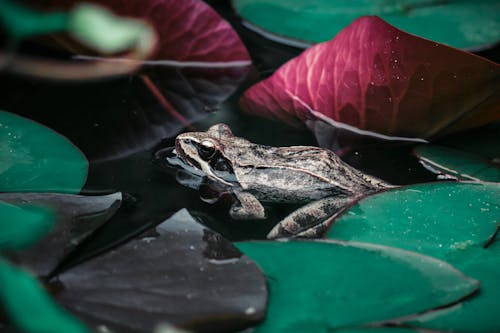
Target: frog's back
(304, 171)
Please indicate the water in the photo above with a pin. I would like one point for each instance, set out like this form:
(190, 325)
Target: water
(98, 115)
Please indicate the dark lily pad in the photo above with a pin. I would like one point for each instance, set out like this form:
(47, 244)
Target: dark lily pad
(29, 307)
(462, 24)
(321, 286)
(451, 221)
(179, 273)
(77, 216)
(35, 158)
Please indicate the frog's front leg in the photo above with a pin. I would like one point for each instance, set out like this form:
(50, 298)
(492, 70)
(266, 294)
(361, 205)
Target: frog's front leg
(309, 220)
(246, 207)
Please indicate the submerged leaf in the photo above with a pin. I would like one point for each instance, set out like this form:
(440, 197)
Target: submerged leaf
(35, 158)
(76, 217)
(324, 285)
(375, 79)
(462, 24)
(179, 273)
(451, 221)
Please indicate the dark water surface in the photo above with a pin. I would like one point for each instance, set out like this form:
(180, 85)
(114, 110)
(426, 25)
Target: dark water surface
(97, 115)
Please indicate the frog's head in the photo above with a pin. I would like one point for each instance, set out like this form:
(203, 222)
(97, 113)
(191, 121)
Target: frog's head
(205, 152)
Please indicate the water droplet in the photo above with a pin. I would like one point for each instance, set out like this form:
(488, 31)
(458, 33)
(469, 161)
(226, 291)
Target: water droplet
(250, 310)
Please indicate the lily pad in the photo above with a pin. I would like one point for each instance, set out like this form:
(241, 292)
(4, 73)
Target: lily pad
(200, 61)
(376, 80)
(76, 218)
(451, 221)
(21, 227)
(180, 273)
(188, 31)
(389, 329)
(29, 307)
(462, 24)
(35, 158)
(457, 164)
(473, 155)
(328, 285)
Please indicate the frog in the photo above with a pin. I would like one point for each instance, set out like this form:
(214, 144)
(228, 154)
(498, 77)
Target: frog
(256, 174)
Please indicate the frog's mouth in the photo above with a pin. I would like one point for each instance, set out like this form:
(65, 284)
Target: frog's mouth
(193, 166)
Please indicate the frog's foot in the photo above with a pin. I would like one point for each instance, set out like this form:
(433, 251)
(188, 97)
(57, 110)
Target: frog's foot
(247, 207)
(311, 220)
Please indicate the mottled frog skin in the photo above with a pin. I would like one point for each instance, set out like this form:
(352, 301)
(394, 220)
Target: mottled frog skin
(256, 173)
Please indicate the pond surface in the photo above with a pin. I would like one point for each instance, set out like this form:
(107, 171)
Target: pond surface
(102, 118)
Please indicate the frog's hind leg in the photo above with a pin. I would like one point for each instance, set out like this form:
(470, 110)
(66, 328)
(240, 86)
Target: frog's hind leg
(246, 207)
(311, 220)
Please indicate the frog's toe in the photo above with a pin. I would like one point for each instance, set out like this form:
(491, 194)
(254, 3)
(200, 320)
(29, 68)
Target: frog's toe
(284, 229)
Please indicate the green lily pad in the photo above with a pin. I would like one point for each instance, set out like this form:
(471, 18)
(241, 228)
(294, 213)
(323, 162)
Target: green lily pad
(461, 24)
(35, 158)
(21, 227)
(471, 156)
(390, 329)
(320, 286)
(457, 164)
(450, 221)
(29, 308)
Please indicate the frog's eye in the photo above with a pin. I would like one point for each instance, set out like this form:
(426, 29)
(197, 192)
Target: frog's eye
(206, 149)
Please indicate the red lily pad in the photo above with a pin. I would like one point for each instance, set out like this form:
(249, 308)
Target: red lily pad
(377, 78)
(188, 31)
(199, 62)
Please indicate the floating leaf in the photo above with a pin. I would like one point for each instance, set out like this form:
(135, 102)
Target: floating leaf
(21, 227)
(325, 285)
(76, 216)
(375, 79)
(30, 308)
(469, 156)
(451, 221)
(35, 158)
(462, 24)
(179, 273)
(457, 164)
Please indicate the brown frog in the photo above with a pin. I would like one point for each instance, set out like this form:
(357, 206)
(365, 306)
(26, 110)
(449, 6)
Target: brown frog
(256, 173)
